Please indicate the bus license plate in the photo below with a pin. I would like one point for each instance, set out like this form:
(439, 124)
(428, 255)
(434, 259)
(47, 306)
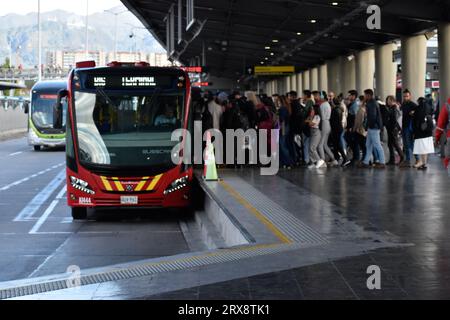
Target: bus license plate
(129, 200)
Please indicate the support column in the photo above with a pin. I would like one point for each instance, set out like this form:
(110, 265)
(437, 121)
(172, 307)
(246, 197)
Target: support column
(281, 88)
(293, 83)
(385, 71)
(300, 84)
(314, 79)
(287, 85)
(347, 74)
(444, 62)
(414, 65)
(323, 77)
(365, 70)
(306, 78)
(334, 76)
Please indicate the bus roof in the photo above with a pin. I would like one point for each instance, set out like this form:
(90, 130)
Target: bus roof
(127, 68)
(50, 86)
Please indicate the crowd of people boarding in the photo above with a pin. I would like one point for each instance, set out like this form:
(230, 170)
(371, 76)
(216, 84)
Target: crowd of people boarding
(324, 130)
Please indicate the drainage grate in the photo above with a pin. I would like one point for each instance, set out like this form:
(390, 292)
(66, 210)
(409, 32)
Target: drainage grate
(281, 218)
(141, 270)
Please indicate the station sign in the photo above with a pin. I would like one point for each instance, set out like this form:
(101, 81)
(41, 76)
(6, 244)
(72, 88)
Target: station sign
(273, 70)
(196, 70)
(202, 84)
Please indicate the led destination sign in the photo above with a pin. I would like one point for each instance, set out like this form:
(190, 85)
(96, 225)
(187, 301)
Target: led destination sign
(126, 82)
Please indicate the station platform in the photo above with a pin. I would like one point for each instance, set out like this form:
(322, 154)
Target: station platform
(299, 235)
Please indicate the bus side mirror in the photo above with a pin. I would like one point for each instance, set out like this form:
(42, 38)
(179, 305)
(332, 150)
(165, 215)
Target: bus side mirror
(26, 107)
(58, 110)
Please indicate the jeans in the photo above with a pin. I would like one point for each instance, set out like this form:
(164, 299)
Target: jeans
(374, 143)
(343, 141)
(408, 144)
(285, 155)
(338, 150)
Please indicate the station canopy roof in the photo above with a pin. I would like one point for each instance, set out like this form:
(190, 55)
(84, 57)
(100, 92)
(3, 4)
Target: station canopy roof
(237, 34)
(9, 86)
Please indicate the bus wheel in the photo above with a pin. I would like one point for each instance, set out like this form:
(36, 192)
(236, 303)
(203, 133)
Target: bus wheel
(79, 213)
(37, 148)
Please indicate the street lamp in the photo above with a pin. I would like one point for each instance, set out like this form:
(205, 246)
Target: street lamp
(116, 14)
(134, 35)
(39, 42)
(87, 30)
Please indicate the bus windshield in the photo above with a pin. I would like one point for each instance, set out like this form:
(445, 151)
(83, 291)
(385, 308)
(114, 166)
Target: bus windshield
(127, 129)
(42, 111)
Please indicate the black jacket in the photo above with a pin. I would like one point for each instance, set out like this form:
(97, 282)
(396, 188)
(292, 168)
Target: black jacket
(407, 108)
(296, 119)
(374, 118)
(422, 115)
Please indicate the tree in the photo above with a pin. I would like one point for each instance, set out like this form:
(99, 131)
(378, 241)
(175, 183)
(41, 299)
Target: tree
(6, 64)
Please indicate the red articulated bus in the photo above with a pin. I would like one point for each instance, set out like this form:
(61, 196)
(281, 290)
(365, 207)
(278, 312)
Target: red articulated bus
(120, 122)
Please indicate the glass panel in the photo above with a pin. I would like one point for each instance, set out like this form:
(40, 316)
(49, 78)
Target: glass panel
(127, 130)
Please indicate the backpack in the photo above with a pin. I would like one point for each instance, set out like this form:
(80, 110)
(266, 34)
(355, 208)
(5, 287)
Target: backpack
(427, 124)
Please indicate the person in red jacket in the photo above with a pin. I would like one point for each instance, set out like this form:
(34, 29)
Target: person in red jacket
(443, 126)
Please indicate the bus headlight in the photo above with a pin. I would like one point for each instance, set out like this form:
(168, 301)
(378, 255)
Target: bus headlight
(33, 137)
(81, 185)
(177, 185)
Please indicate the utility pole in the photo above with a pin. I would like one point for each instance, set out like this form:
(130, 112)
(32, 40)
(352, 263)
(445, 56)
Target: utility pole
(116, 15)
(87, 30)
(39, 42)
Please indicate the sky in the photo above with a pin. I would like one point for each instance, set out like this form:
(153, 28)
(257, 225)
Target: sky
(75, 6)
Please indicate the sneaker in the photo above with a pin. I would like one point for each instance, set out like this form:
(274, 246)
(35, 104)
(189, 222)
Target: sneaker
(334, 164)
(311, 166)
(362, 165)
(320, 164)
(346, 164)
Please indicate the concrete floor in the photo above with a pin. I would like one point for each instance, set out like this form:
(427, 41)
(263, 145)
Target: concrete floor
(412, 205)
(347, 206)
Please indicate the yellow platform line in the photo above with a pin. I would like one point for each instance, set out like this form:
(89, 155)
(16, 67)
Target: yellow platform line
(274, 229)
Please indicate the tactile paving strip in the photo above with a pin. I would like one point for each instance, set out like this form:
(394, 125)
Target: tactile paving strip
(147, 269)
(292, 227)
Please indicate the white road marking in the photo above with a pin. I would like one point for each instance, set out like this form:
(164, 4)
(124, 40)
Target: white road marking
(44, 217)
(61, 193)
(47, 259)
(34, 205)
(15, 153)
(16, 183)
